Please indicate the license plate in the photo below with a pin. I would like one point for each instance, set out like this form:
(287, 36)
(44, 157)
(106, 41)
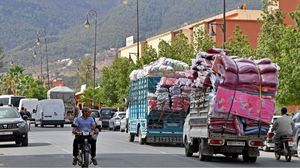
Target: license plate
(291, 143)
(6, 133)
(235, 143)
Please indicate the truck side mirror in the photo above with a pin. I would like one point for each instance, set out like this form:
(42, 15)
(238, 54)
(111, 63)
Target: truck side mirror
(34, 111)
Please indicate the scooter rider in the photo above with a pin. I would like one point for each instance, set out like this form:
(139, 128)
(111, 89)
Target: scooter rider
(84, 123)
(282, 126)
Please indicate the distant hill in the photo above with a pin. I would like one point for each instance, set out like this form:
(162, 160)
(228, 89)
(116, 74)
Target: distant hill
(63, 22)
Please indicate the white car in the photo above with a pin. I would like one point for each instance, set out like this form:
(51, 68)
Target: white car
(115, 121)
(97, 116)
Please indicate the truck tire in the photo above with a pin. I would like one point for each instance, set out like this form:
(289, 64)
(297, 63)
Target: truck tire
(201, 156)
(247, 158)
(188, 150)
(131, 137)
(141, 140)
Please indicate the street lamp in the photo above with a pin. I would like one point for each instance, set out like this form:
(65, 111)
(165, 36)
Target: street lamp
(87, 25)
(137, 27)
(38, 43)
(222, 25)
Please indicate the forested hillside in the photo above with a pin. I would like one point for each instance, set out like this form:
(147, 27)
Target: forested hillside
(63, 22)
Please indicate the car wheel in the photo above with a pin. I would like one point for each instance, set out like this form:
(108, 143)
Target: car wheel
(62, 125)
(131, 137)
(18, 142)
(25, 141)
(114, 128)
(266, 149)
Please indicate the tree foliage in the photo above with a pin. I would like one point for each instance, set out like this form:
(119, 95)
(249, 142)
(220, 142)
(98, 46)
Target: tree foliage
(281, 43)
(203, 41)
(17, 83)
(239, 45)
(149, 55)
(179, 49)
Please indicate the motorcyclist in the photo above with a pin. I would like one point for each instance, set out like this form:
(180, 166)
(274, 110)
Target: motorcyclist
(84, 123)
(283, 126)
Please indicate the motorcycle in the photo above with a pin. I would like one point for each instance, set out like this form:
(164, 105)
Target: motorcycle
(84, 149)
(284, 148)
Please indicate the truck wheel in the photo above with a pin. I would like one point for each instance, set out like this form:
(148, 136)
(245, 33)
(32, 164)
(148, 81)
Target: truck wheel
(36, 125)
(141, 140)
(201, 156)
(131, 137)
(252, 159)
(188, 150)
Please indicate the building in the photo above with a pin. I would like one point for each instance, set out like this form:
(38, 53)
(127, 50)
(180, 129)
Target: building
(246, 19)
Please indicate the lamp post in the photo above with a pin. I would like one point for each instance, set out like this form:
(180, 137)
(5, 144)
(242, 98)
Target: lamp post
(87, 25)
(137, 27)
(38, 44)
(222, 25)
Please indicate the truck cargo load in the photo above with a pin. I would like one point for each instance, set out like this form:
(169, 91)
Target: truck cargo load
(231, 105)
(158, 102)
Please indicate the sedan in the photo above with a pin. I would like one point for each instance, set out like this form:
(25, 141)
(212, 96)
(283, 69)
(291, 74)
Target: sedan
(12, 126)
(115, 121)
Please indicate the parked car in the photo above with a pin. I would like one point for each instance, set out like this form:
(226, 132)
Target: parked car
(95, 113)
(107, 113)
(12, 126)
(124, 122)
(269, 144)
(115, 121)
(296, 119)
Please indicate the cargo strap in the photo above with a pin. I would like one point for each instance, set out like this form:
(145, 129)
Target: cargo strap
(260, 99)
(235, 84)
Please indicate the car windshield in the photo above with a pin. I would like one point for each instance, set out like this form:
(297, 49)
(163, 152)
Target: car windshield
(8, 113)
(122, 115)
(107, 112)
(95, 114)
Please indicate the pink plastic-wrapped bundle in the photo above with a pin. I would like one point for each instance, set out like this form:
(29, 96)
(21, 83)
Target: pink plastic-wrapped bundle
(152, 104)
(167, 82)
(245, 105)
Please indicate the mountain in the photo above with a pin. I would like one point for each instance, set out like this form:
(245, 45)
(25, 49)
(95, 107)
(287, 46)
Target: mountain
(62, 22)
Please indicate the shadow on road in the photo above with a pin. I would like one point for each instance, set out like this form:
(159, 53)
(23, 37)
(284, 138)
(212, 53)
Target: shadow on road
(10, 145)
(138, 160)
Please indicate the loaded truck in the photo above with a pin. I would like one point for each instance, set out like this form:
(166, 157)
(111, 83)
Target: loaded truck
(197, 136)
(68, 96)
(231, 106)
(152, 126)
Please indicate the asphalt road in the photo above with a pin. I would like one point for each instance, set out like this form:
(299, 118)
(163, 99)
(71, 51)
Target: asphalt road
(52, 147)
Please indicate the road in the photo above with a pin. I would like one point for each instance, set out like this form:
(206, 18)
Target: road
(52, 147)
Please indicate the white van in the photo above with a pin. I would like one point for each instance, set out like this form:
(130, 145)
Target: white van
(30, 105)
(11, 99)
(50, 112)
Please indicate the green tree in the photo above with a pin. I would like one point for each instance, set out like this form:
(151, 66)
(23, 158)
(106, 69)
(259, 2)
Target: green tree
(271, 32)
(17, 83)
(179, 49)
(239, 45)
(149, 55)
(203, 41)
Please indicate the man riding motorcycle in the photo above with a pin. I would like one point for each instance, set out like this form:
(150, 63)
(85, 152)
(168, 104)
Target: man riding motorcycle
(282, 126)
(84, 123)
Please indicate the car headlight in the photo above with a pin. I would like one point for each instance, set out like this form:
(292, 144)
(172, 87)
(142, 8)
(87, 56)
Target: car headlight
(21, 124)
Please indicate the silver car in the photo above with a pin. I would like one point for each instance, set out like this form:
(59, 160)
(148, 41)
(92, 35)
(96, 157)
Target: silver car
(115, 121)
(12, 126)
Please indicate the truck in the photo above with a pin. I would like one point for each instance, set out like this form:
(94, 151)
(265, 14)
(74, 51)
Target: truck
(198, 138)
(231, 106)
(152, 126)
(68, 96)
